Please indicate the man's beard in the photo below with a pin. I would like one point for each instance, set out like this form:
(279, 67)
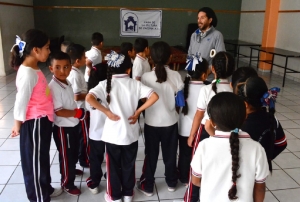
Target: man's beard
(204, 27)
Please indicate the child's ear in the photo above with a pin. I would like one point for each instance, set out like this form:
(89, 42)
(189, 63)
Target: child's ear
(77, 61)
(51, 69)
(203, 77)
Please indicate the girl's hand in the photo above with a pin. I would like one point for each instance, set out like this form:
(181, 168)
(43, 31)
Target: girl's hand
(112, 116)
(190, 140)
(134, 117)
(15, 131)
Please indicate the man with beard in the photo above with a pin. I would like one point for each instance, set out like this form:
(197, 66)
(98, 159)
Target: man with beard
(206, 40)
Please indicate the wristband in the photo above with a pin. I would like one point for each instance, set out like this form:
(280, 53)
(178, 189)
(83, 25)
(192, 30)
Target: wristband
(79, 113)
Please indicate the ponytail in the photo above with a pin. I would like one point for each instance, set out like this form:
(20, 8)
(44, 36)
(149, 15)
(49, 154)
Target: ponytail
(185, 108)
(234, 147)
(160, 54)
(161, 73)
(108, 83)
(32, 38)
(15, 58)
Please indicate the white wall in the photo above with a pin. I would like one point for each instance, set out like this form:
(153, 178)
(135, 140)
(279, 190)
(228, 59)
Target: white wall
(14, 20)
(288, 36)
(288, 29)
(251, 24)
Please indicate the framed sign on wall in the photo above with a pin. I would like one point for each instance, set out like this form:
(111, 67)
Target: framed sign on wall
(140, 23)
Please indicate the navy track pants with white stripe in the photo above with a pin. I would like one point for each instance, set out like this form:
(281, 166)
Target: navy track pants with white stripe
(67, 143)
(192, 192)
(35, 139)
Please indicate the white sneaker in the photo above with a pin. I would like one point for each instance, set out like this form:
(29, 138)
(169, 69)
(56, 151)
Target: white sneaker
(56, 192)
(127, 198)
(108, 199)
(171, 189)
(95, 190)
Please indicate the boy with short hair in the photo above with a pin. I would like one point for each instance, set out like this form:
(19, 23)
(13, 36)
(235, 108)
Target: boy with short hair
(140, 64)
(76, 78)
(93, 56)
(66, 129)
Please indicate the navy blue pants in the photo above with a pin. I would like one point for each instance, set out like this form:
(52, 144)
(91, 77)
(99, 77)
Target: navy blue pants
(84, 149)
(192, 193)
(97, 150)
(67, 143)
(120, 168)
(184, 160)
(35, 139)
(167, 137)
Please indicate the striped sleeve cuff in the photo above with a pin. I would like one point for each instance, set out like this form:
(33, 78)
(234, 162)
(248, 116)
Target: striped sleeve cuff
(261, 181)
(199, 109)
(150, 93)
(93, 95)
(196, 174)
(281, 142)
(57, 109)
(77, 93)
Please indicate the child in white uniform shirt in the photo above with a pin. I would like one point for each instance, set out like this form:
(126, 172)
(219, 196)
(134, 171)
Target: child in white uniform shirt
(76, 78)
(222, 68)
(66, 130)
(93, 56)
(229, 165)
(121, 131)
(161, 120)
(193, 82)
(97, 119)
(140, 63)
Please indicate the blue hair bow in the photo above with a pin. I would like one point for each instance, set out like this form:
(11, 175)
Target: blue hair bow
(21, 45)
(114, 59)
(269, 98)
(192, 61)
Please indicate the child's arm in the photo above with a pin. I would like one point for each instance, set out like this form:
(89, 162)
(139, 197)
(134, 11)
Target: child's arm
(259, 192)
(76, 113)
(196, 123)
(209, 128)
(16, 128)
(65, 113)
(89, 64)
(196, 181)
(80, 97)
(94, 103)
(150, 101)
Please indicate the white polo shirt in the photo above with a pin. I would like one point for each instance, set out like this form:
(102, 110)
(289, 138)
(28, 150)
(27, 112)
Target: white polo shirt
(212, 163)
(93, 55)
(163, 113)
(140, 66)
(125, 94)
(185, 121)
(76, 78)
(206, 93)
(97, 119)
(63, 98)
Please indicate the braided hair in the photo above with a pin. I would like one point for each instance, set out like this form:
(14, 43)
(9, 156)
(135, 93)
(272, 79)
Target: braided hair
(116, 70)
(160, 54)
(199, 71)
(228, 112)
(252, 91)
(224, 65)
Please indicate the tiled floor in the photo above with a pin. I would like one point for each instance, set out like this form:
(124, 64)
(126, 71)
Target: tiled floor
(283, 185)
